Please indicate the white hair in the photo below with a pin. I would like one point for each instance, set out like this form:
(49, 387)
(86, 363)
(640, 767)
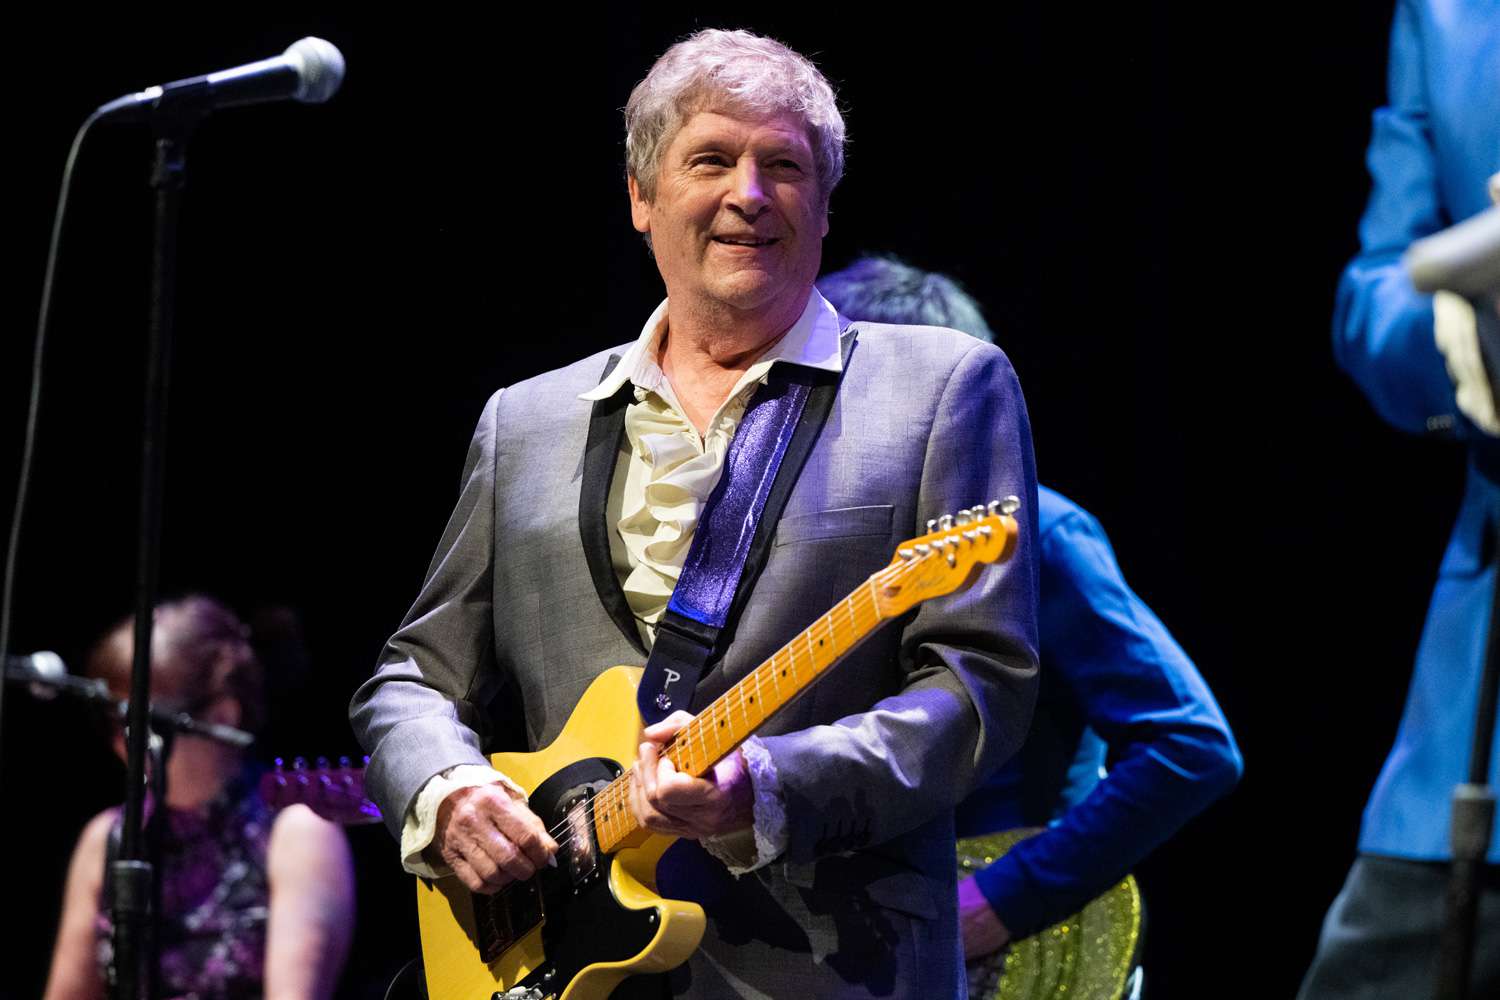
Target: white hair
(735, 71)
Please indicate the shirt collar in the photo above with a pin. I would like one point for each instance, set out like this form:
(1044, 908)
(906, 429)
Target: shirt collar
(813, 341)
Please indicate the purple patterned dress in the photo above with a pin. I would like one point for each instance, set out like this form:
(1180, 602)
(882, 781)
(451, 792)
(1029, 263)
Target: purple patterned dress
(215, 897)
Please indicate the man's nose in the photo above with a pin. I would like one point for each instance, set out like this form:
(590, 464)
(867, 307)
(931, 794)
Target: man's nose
(747, 196)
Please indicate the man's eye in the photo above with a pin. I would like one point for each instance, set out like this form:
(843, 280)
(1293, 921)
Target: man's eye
(710, 160)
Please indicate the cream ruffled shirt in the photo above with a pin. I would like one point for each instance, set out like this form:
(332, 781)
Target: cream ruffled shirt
(656, 498)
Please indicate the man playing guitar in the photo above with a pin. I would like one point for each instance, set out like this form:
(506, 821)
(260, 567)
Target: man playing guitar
(820, 851)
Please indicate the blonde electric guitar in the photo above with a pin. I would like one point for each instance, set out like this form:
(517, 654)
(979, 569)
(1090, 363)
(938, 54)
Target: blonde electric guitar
(575, 931)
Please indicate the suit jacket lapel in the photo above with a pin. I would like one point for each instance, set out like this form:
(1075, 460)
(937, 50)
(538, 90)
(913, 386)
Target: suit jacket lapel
(819, 404)
(606, 431)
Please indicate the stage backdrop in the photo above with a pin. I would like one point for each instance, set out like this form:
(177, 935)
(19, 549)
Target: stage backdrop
(1154, 211)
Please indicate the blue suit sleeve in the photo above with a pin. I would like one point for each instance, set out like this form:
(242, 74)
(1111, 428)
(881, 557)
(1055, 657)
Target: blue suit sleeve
(1173, 750)
(1382, 327)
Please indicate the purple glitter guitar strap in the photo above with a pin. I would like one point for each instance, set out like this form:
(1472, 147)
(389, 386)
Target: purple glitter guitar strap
(689, 629)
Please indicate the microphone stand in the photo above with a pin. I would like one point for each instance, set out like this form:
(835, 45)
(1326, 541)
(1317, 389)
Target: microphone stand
(1474, 800)
(133, 876)
(164, 721)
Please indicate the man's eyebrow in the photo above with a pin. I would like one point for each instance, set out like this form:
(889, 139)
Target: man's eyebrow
(704, 146)
(718, 143)
(713, 142)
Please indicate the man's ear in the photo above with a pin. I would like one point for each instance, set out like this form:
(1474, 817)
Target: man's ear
(640, 208)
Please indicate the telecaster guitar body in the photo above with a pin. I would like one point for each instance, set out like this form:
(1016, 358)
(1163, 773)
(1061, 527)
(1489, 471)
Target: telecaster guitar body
(576, 930)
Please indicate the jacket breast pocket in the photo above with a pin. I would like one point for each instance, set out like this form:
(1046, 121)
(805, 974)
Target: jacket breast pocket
(845, 522)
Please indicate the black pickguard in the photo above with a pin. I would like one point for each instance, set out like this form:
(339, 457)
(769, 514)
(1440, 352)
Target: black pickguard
(584, 924)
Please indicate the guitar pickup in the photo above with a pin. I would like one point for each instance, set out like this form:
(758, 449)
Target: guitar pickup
(580, 847)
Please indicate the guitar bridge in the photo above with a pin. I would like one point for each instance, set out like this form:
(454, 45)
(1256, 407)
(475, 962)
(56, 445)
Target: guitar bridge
(504, 918)
(565, 800)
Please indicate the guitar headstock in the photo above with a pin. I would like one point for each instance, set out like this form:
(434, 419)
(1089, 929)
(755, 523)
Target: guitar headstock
(337, 792)
(948, 557)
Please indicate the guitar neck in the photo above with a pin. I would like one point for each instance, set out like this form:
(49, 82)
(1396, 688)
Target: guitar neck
(939, 562)
(716, 731)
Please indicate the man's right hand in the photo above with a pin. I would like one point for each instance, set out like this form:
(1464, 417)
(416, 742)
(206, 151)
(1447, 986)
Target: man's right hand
(490, 837)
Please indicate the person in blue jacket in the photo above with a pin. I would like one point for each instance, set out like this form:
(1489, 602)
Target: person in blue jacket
(1114, 681)
(1433, 151)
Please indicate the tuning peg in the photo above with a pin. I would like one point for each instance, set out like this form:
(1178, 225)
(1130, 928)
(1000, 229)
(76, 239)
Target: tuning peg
(299, 763)
(1008, 506)
(344, 763)
(275, 786)
(907, 554)
(931, 525)
(945, 522)
(965, 517)
(923, 549)
(978, 511)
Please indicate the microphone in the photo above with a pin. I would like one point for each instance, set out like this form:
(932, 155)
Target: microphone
(48, 677)
(310, 71)
(1464, 258)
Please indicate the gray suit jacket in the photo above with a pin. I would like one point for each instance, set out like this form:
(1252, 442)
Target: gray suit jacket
(520, 611)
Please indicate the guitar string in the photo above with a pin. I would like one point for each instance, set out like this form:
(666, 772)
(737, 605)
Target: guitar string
(614, 794)
(612, 797)
(616, 790)
(722, 709)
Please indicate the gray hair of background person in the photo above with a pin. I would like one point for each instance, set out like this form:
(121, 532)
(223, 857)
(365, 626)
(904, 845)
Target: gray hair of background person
(740, 74)
(886, 290)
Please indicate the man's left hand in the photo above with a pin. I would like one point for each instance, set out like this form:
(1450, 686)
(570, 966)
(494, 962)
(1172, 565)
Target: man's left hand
(977, 921)
(667, 801)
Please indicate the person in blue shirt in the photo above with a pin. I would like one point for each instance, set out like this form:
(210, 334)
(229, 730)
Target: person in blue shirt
(1433, 152)
(1114, 682)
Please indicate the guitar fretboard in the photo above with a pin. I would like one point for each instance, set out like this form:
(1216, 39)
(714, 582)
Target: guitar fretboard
(717, 730)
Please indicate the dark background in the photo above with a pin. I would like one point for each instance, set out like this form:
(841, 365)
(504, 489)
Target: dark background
(1154, 210)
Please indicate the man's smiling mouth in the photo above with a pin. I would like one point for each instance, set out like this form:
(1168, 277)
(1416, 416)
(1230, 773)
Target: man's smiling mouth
(746, 241)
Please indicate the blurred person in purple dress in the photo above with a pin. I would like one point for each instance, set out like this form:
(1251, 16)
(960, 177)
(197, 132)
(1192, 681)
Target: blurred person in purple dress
(252, 903)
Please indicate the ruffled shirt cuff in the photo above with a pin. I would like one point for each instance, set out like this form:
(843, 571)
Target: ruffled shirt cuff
(421, 819)
(746, 850)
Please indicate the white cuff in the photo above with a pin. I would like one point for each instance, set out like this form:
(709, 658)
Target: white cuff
(1457, 335)
(770, 836)
(421, 820)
